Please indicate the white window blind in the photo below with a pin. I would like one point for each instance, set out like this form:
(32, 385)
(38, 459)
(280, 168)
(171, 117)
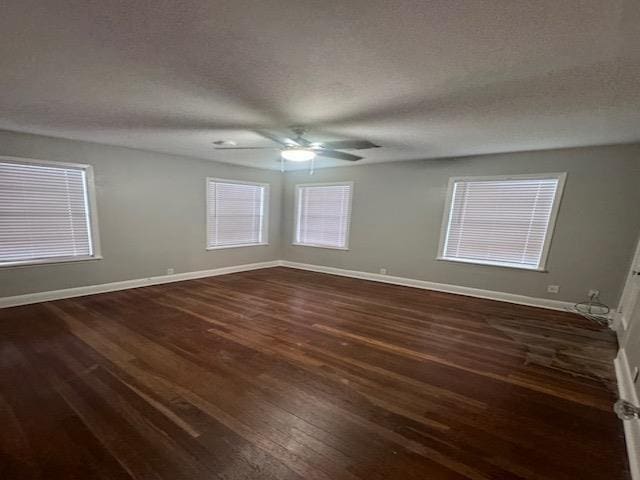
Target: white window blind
(44, 213)
(236, 213)
(323, 215)
(501, 221)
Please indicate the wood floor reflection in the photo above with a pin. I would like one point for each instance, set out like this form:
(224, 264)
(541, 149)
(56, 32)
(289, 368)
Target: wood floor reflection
(285, 374)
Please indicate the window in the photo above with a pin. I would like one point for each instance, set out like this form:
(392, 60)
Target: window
(47, 212)
(505, 221)
(323, 215)
(236, 213)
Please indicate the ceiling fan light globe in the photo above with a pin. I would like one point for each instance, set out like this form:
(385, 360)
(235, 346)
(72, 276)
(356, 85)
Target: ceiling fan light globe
(298, 155)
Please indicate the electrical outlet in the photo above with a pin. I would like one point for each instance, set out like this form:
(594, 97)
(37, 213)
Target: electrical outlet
(170, 271)
(553, 288)
(594, 293)
(383, 271)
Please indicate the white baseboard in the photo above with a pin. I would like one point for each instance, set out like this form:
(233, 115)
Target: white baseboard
(376, 277)
(439, 287)
(123, 285)
(627, 391)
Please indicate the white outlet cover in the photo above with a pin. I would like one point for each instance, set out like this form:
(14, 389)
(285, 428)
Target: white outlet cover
(553, 288)
(170, 271)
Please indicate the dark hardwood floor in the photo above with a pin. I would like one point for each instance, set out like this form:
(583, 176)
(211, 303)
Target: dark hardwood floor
(285, 374)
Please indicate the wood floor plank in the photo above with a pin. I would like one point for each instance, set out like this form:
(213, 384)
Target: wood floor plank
(285, 374)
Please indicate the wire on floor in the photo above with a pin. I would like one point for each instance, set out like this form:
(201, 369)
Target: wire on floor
(594, 310)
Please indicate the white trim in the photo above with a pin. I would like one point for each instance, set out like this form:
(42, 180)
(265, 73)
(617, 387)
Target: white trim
(444, 228)
(296, 217)
(439, 287)
(265, 214)
(325, 184)
(619, 325)
(624, 309)
(126, 284)
(491, 264)
(221, 247)
(446, 214)
(91, 205)
(318, 246)
(48, 261)
(375, 277)
(37, 161)
(627, 392)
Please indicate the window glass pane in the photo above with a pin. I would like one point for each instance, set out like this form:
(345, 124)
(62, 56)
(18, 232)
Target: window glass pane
(500, 221)
(44, 213)
(324, 215)
(236, 213)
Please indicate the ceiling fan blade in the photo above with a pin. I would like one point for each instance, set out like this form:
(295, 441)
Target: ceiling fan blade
(285, 142)
(300, 131)
(246, 148)
(350, 145)
(338, 155)
(302, 141)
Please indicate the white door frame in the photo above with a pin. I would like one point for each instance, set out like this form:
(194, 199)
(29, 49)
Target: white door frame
(628, 330)
(627, 304)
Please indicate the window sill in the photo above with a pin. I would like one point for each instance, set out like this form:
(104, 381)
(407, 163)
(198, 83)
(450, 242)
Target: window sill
(319, 246)
(222, 247)
(492, 264)
(48, 261)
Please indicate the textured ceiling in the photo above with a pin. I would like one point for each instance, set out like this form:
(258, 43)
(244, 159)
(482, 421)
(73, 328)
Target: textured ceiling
(421, 78)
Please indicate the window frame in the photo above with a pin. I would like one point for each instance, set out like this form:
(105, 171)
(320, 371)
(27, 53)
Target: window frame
(297, 212)
(557, 200)
(265, 215)
(91, 206)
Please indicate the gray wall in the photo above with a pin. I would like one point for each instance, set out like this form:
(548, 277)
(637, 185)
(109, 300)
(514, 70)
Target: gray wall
(397, 215)
(151, 213)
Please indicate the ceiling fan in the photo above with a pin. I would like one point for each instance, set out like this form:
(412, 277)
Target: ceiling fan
(299, 149)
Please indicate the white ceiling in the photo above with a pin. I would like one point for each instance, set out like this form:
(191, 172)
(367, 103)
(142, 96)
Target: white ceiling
(423, 79)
